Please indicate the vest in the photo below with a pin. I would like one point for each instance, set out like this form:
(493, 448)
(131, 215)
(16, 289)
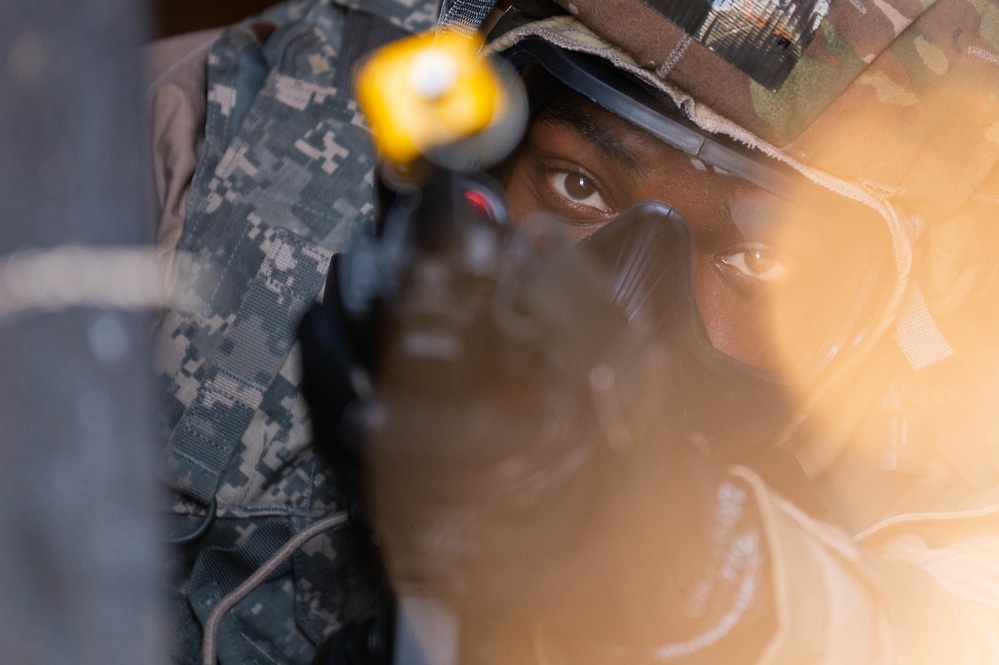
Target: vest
(285, 180)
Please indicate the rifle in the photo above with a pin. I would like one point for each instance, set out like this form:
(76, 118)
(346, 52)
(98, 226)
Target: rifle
(483, 391)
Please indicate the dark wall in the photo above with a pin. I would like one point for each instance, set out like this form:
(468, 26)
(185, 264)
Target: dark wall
(173, 17)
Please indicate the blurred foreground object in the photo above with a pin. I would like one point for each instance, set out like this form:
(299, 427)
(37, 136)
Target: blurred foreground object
(79, 546)
(434, 96)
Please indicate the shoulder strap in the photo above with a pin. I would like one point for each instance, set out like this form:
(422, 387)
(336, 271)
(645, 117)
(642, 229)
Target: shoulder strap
(239, 342)
(465, 16)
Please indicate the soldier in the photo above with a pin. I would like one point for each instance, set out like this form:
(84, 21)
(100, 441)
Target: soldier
(829, 497)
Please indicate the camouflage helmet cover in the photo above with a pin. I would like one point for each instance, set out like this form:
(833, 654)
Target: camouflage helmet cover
(896, 96)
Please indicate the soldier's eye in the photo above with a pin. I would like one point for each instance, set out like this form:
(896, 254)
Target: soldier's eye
(578, 189)
(755, 261)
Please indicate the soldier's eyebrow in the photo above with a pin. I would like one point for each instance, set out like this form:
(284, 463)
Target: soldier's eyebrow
(568, 112)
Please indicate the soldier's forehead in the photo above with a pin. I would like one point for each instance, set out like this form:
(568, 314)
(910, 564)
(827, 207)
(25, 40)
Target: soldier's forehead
(630, 147)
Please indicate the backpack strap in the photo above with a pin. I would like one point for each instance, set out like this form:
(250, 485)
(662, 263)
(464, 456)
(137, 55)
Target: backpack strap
(238, 375)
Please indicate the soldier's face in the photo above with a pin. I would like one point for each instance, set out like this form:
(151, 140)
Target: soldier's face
(584, 166)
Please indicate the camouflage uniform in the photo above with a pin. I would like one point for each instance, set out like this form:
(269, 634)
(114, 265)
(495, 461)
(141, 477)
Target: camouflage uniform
(284, 181)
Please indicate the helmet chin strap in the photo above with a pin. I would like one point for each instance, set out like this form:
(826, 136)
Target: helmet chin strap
(917, 334)
(464, 16)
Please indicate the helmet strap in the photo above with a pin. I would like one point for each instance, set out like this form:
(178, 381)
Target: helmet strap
(464, 16)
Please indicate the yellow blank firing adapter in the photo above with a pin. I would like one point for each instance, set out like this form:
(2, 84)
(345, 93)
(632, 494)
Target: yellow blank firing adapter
(434, 95)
